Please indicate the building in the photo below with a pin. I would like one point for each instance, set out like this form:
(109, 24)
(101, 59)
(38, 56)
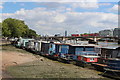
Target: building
(65, 33)
(116, 32)
(106, 33)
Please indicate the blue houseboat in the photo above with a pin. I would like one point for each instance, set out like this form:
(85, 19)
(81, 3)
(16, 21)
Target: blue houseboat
(84, 54)
(62, 51)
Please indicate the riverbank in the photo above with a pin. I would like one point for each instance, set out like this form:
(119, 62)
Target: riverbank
(18, 63)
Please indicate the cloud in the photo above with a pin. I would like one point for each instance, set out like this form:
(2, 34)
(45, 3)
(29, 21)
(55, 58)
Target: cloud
(86, 4)
(1, 5)
(58, 0)
(114, 8)
(59, 18)
(50, 4)
(104, 4)
(49, 22)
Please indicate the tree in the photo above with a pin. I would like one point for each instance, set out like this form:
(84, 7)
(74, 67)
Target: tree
(31, 33)
(85, 33)
(16, 28)
(0, 29)
(5, 30)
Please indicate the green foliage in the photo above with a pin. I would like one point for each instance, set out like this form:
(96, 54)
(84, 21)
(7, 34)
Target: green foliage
(0, 29)
(16, 28)
(86, 33)
(31, 33)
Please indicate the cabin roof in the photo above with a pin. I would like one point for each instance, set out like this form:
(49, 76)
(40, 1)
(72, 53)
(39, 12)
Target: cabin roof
(37, 41)
(90, 56)
(56, 42)
(91, 45)
(27, 39)
(111, 47)
(45, 41)
(62, 44)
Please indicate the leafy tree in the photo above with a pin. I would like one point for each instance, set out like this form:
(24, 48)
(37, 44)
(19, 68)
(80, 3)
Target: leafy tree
(85, 33)
(5, 30)
(16, 28)
(32, 33)
(0, 29)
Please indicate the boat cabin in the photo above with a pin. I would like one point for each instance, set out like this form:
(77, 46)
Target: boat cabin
(62, 49)
(88, 58)
(47, 48)
(87, 53)
(30, 45)
(19, 42)
(110, 52)
(37, 46)
(24, 43)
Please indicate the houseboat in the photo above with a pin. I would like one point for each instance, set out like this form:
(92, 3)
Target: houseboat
(84, 54)
(107, 53)
(47, 48)
(37, 46)
(110, 52)
(30, 46)
(24, 43)
(19, 42)
(62, 50)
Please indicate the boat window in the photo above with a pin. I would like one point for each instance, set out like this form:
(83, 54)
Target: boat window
(65, 46)
(89, 49)
(64, 49)
(79, 49)
(91, 59)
